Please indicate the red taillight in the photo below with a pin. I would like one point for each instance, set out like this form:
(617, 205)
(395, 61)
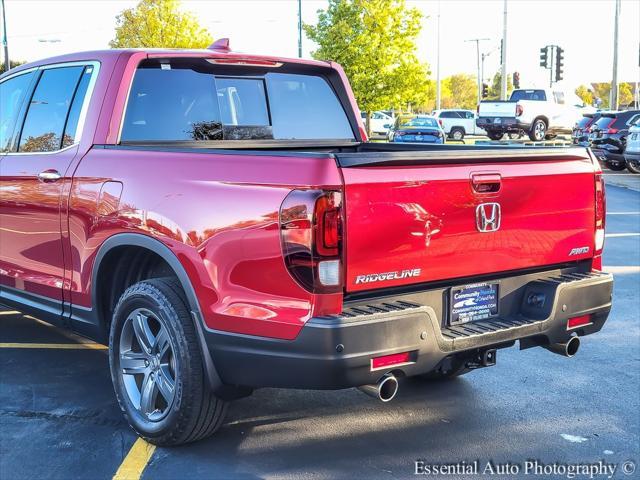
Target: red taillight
(519, 110)
(391, 360)
(600, 214)
(580, 321)
(440, 122)
(609, 129)
(311, 235)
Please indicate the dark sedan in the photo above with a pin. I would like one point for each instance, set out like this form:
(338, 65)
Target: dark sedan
(419, 129)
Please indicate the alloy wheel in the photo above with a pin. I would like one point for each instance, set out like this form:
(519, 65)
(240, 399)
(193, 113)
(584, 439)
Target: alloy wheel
(147, 364)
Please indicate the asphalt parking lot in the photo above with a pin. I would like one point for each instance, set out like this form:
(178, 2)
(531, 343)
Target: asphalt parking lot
(59, 417)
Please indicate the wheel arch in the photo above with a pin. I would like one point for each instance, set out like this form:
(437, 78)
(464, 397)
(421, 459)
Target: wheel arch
(156, 247)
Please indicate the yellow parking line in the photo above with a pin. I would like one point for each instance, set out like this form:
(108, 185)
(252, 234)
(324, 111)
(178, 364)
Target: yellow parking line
(62, 346)
(136, 461)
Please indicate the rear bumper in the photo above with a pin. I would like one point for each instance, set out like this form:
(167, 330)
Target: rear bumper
(609, 156)
(336, 351)
(506, 124)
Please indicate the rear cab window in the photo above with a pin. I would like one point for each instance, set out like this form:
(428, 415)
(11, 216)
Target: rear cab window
(194, 100)
(536, 95)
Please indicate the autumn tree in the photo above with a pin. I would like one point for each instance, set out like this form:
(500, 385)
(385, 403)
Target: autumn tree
(585, 94)
(159, 24)
(375, 42)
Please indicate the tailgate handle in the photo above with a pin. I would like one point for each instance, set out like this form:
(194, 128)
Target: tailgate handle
(486, 182)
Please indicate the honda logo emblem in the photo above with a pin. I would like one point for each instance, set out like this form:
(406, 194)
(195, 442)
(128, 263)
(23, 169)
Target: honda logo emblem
(488, 217)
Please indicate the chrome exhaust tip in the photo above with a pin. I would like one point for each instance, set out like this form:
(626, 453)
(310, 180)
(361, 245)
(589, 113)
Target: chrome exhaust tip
(385, 390)
(567, 349)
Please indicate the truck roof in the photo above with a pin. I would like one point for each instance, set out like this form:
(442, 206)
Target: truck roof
(113, 54)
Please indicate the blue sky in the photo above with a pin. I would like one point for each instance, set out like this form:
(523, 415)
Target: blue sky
(584, 28)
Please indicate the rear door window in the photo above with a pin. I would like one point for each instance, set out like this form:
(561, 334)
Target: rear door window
(191, 101)
(12, 96)
(48, 110)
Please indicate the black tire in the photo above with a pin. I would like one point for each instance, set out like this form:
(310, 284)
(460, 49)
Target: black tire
(456, 133)
(514, 136)
(495, 135)
(156, 312)
(633, 166)
(550, 136)
(616, 167)
(538, 130)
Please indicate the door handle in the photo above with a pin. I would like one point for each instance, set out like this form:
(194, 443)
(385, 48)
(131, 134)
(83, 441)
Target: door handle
(50, 175)
(486, 182)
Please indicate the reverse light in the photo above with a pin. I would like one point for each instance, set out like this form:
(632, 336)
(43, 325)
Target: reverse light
(580, 321)
(311, 236)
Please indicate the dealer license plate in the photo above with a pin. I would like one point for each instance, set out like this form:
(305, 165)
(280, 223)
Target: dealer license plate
(473, 302)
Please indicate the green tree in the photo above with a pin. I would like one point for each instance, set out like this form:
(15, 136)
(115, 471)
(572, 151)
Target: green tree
(496, 86)
(585, 94)
(375, 42)
(463, 91)
(159, 24)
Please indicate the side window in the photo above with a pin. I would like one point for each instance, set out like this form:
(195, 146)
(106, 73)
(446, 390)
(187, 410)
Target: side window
(634, 120)
(469, 115)
(448, 115)
(12, 93)
(559, 96)
(48, 110)
(71, 128)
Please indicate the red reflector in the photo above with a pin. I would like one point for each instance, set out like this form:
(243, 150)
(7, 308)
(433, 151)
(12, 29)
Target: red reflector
(578, 321)
(388, 360)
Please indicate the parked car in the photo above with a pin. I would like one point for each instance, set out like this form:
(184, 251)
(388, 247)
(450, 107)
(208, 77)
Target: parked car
(632, 150)
(608, 137)
(580, 133)
(540, 113)
(220, 239)
(420, 129)
(380, 123)
(458, 123)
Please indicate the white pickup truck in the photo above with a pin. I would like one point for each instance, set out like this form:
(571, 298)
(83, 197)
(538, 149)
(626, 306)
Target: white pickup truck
(539, 113)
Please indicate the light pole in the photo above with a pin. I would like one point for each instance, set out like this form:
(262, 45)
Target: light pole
(438, 91)
(4, 39)
(613, 99)
(480, 70)
(299, 28)
(503, 85)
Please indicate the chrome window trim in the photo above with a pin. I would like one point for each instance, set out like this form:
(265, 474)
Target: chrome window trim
(85, 104)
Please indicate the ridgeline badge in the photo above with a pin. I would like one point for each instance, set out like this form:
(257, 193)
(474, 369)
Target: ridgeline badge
(380, 277)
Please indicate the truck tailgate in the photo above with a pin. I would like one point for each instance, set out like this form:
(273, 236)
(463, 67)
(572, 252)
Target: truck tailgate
(497, 109)
(420, 220)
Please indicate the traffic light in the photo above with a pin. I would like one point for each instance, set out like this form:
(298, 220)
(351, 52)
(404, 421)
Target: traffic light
(559, 63)
(485, 90)
(544, 57)
(516, 80)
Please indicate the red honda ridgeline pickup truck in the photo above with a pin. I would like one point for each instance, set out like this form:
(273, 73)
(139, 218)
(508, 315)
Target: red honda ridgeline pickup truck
(222, 222)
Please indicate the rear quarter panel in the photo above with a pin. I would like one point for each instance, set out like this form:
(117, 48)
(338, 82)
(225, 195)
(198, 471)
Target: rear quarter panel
(218, 213)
